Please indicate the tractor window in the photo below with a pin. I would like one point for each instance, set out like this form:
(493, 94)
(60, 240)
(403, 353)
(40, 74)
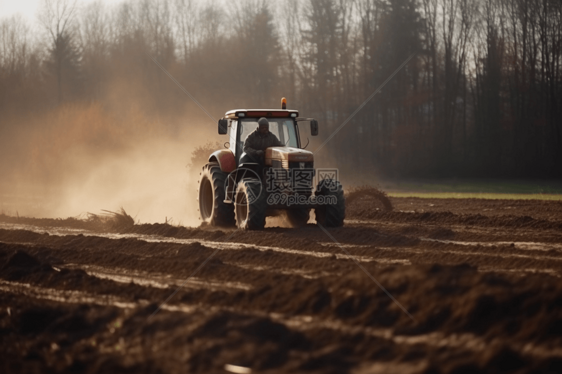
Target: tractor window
(289, 133)
(285, 133)
(246, 129)
(232, 137)
(282, 128)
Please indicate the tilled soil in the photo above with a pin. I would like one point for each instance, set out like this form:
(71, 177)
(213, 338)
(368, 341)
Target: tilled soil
(435, 286)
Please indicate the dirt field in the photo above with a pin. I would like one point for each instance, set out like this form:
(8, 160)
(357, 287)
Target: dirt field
(479, 281)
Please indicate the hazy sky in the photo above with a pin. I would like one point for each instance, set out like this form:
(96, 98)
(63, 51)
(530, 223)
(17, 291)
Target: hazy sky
(28, 8)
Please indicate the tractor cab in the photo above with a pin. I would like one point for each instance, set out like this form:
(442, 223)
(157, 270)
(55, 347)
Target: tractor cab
(242, 123)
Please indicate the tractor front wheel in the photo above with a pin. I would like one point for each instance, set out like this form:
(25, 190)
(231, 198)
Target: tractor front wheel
(212, 208)
(250, 205)
(331, 207)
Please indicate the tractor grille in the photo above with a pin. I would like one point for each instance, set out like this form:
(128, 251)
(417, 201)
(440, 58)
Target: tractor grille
(298, 180)
(291, 165)
(278, 164)
(296, 165)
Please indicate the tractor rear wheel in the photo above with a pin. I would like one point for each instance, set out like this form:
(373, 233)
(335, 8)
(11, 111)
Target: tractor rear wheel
(212, 208)
(332, 214)
(250, 205)
(298, 217)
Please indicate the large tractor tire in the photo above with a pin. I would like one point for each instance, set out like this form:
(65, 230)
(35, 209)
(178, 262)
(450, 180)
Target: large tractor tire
(298, 217)
(212, 208)
(331, 215)
(250, 205)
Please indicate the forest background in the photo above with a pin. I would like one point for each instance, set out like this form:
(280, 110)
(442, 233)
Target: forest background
(481, 97)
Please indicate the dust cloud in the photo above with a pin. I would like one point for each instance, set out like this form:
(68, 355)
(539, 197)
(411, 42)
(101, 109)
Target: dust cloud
(151, 182)
(83, 159)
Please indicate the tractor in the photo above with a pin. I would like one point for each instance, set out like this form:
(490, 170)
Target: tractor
(236, 190)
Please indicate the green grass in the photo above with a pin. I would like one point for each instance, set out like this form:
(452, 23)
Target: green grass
(472, 195)
(475, 189)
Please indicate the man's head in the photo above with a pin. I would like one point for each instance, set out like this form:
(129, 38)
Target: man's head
(263, 126)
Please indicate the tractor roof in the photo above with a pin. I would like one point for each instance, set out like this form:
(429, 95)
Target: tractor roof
(236, 113)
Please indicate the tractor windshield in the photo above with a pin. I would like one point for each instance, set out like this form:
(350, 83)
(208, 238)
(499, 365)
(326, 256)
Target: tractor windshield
(282, 128)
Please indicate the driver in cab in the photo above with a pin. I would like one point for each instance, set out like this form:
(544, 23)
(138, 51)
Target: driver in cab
(260, 139)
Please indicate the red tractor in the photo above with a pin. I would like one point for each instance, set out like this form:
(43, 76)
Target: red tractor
(236, 190)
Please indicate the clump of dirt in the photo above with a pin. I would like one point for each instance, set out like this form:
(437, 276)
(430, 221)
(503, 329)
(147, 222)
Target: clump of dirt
(366, 198)
(19, 264)
(21, 259)
(112, 221)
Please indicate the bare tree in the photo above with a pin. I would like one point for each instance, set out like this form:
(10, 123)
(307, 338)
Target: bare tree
(186, 25)
(95, 43)
(15, 56)
(57, 15)
(290, 32)
(212, 22)
(14, 44)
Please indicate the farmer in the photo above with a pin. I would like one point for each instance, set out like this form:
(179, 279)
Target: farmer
(260, 139)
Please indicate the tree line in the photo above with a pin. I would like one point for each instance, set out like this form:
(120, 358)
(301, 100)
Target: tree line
(481, 95)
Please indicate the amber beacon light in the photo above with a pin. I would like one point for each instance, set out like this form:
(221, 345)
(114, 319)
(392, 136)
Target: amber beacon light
(283, 103)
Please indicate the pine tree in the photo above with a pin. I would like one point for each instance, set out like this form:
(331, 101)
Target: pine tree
(64, 65)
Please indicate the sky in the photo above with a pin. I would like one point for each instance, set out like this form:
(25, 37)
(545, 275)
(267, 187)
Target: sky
(28, 8)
